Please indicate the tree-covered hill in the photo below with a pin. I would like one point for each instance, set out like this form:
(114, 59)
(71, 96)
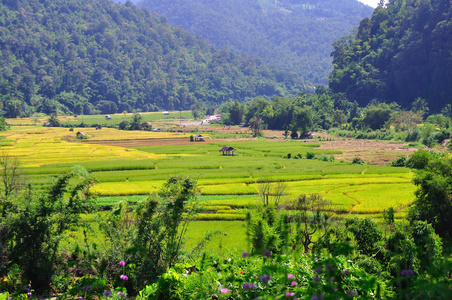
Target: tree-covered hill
(404, 52)
(83, 56)
(294, 35)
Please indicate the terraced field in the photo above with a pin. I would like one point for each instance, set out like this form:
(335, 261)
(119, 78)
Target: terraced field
(228, 185)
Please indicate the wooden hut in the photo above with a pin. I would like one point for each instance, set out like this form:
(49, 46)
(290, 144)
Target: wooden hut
(198, 138)
(227, 150)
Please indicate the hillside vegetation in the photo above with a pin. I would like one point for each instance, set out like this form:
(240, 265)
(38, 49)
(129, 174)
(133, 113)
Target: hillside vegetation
(89, 57)
(293, 35)
(403, 52)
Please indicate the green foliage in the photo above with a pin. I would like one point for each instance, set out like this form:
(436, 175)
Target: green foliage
(366, 235)
(358, 160)
(162, 223)
(3, 125)
(399, 162)
(36, 227)
(434, 195)
(377, 116)
(88, 62)
(397, 55)
(291, 35)
(310, 155)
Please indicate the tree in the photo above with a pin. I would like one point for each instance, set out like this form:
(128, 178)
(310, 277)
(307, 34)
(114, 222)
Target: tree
(309, 219)
(434, 195)
(419, 106)
(264, 190)
(256, 124)
(3, 125)
(162, 222)
(376, 116)
(302, 121)
(11, 179)
(36, 228)
(53, 121)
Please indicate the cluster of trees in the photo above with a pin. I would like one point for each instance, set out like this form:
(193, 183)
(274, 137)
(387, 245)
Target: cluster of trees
(301, 113)
(403, 52)
(86, 57)
(325, 110)
(295, 36)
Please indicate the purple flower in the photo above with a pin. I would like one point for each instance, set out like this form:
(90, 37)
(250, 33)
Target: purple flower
(294, 283)
(408, 272)
(124, 277)
(352, 293)
(289, 294)
(319, 270)
(9, 298)
(225, 291)
(122, 294)
(90, 272)
(345, 272)
(249, 286)
(267, 253)
(332, 279)
(122, 263)
(315, 298)
(316, 279)
(27, 290)
(29, 295)
(245, 254)
(265, 278)
(87, 288)
(290, 276)
(329, 267)
(107, 294)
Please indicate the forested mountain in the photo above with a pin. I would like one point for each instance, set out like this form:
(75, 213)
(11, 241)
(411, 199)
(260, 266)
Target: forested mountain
(404, 52)
(294, 35)
(90, 56)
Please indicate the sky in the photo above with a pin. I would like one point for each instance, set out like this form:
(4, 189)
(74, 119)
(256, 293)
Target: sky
(373, 3)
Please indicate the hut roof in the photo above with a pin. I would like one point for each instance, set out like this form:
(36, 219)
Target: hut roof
(227, 149)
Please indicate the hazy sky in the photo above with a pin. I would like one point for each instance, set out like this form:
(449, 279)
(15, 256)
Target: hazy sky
(372, 3)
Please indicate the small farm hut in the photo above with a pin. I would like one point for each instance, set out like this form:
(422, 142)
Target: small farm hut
(79, 133)
(156, 130)
(166, 112)
(199, 138)
(107, 117)
(227, 150)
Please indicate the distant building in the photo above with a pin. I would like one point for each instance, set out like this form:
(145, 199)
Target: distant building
(79, 133)
(199, 138)
(156, 130)
(166, 112)
(107, 117)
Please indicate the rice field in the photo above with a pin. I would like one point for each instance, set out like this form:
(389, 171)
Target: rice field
(227, 184)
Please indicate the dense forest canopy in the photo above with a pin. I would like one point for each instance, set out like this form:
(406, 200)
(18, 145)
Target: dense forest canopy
(89, 57)
(402, 53)
(294, 35)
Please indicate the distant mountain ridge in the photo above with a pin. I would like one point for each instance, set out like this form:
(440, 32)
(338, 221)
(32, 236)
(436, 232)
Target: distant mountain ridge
(97, 56)
(293, 35)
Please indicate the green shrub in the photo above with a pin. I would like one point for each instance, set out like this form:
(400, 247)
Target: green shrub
(310, 155)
